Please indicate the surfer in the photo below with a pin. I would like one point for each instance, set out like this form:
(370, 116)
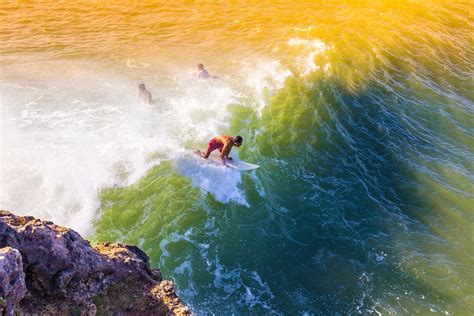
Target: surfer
(143, 94)
(202, 72)
(224, 144)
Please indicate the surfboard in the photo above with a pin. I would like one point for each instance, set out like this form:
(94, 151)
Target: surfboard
(234, 163)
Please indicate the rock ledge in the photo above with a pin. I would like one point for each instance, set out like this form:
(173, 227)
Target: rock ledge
(49, 269)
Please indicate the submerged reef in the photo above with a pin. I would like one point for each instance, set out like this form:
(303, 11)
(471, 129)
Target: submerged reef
(49, 269)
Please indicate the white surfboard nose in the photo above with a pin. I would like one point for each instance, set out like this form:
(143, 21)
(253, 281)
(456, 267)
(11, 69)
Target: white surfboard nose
(234, 163)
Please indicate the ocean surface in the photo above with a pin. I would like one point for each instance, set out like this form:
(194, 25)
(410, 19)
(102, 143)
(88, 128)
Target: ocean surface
(360, 114)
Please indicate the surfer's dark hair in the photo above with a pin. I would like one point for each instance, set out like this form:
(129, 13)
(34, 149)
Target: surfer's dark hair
(238, 139)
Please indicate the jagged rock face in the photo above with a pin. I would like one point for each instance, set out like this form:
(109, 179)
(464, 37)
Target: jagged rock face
(65, 275)
(12, 279)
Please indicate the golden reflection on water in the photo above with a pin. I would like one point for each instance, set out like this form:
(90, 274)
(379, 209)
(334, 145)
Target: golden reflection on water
(220, 30)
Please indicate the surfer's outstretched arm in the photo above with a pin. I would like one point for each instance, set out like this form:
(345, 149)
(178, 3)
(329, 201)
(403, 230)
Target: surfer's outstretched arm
(226, 150)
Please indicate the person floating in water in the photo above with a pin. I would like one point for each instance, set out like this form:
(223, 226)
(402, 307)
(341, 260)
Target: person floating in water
(224, 144)
(143, 94)
(202, 72)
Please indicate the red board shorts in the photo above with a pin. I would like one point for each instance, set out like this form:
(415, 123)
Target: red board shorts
(213, 145)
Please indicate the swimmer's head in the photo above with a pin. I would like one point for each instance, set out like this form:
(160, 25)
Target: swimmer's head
(141, 86)
(200, 66)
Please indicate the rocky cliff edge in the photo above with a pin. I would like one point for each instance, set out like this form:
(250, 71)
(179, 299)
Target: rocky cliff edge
(49, 269)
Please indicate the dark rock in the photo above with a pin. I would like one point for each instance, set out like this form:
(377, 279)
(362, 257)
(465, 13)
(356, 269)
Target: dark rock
(12, 280)
(65, 275)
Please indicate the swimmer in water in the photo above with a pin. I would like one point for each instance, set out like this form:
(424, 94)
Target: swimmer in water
(202, 72)
(143, 94)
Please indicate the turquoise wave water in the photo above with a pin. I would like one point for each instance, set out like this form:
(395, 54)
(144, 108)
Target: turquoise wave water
(363, 204)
